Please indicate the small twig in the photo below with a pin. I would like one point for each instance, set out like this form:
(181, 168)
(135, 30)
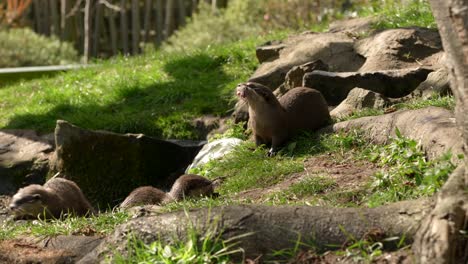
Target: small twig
(74, 9)
(110, 6)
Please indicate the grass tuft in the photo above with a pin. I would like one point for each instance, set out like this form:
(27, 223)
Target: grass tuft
(407, 173)
(397, 14)
(101, 224)
(195, 248)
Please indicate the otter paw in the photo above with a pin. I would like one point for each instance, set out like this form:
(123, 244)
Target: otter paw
(272, 152)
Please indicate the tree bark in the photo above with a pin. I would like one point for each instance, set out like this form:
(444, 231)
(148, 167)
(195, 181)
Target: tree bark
(440, 238)
(169, 20)
(87, 31)
(135, 26)
(124, 26)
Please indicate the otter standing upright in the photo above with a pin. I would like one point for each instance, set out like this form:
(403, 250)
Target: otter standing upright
(274, 121)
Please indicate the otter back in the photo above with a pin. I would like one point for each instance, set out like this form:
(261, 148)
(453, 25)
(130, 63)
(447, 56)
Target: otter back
(56, 197)
(70, 197)
(191, 185)
(306, 109)
(144, 195)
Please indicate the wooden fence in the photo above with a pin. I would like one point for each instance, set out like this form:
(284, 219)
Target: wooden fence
(101, 28)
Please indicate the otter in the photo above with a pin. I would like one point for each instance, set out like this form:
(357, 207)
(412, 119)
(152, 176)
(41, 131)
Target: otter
(145, 195)
(274, 121)
(187, 185)
(56, 197)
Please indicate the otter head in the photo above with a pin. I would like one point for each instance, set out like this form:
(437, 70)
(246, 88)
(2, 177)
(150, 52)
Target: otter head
(206, 190)
(255, 94)
(28, 202)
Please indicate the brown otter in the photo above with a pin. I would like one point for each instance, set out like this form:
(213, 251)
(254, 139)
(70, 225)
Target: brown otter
(187, 185)
(56, 197)
(274, 121)
(145, 195)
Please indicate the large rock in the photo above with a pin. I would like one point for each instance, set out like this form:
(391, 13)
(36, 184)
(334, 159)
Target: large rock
(107, 166)
(23, 159)
(269, 51)
(391, 49)
(334, 49)
(437, 83)
(214, 150)
(433, 127)
(358, 99)
(359, 25)
(295, 76)
(335, 86)
(400, 48)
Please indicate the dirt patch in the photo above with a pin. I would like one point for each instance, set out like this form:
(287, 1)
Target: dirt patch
(22, 251)
(350, 176)
(403, 256)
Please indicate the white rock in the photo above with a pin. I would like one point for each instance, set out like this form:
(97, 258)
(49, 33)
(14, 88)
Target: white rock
(214, 150)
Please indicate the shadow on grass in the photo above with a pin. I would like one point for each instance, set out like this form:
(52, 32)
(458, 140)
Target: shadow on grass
(196, 86)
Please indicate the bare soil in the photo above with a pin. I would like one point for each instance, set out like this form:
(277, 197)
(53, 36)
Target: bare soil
(25, 251)
(350, 175)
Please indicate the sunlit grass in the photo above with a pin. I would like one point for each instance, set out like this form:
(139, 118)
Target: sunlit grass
(101, 224)
(158, 94)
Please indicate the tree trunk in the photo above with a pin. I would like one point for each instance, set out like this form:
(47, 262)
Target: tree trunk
(135, 26)
(124, 26)
(442, 235)
(169, 21)
(87, 31)
(265, 229)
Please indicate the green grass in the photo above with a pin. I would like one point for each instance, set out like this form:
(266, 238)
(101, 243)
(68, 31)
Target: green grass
(157, 94)
(360, 113)
(395, 14)
(101, 224)
(195, 248)
(369, 247)
(444, 101)
(234, 131)
(407, 173)
(248, 167)
(313, 186)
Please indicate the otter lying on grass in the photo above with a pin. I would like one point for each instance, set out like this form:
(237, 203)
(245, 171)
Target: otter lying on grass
(56, 197)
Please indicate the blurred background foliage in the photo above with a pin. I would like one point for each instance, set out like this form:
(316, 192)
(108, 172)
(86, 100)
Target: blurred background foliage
(245, 18)
(209, 26)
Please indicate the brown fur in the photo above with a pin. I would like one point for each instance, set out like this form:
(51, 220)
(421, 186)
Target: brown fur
(56, 197)
(144, 195)
(191, 185)
(187, 185)
(274, 121)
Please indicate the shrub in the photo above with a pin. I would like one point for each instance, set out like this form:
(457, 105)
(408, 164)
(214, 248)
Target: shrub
(23, 47)
(207, 27)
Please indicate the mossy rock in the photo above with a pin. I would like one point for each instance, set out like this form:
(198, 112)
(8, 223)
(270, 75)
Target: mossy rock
(108, 166)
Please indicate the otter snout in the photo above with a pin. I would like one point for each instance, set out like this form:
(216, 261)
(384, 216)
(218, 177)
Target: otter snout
(12, 207)
(241, 90)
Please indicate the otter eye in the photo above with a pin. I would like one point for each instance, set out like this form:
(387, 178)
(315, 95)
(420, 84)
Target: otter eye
(35, 197)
